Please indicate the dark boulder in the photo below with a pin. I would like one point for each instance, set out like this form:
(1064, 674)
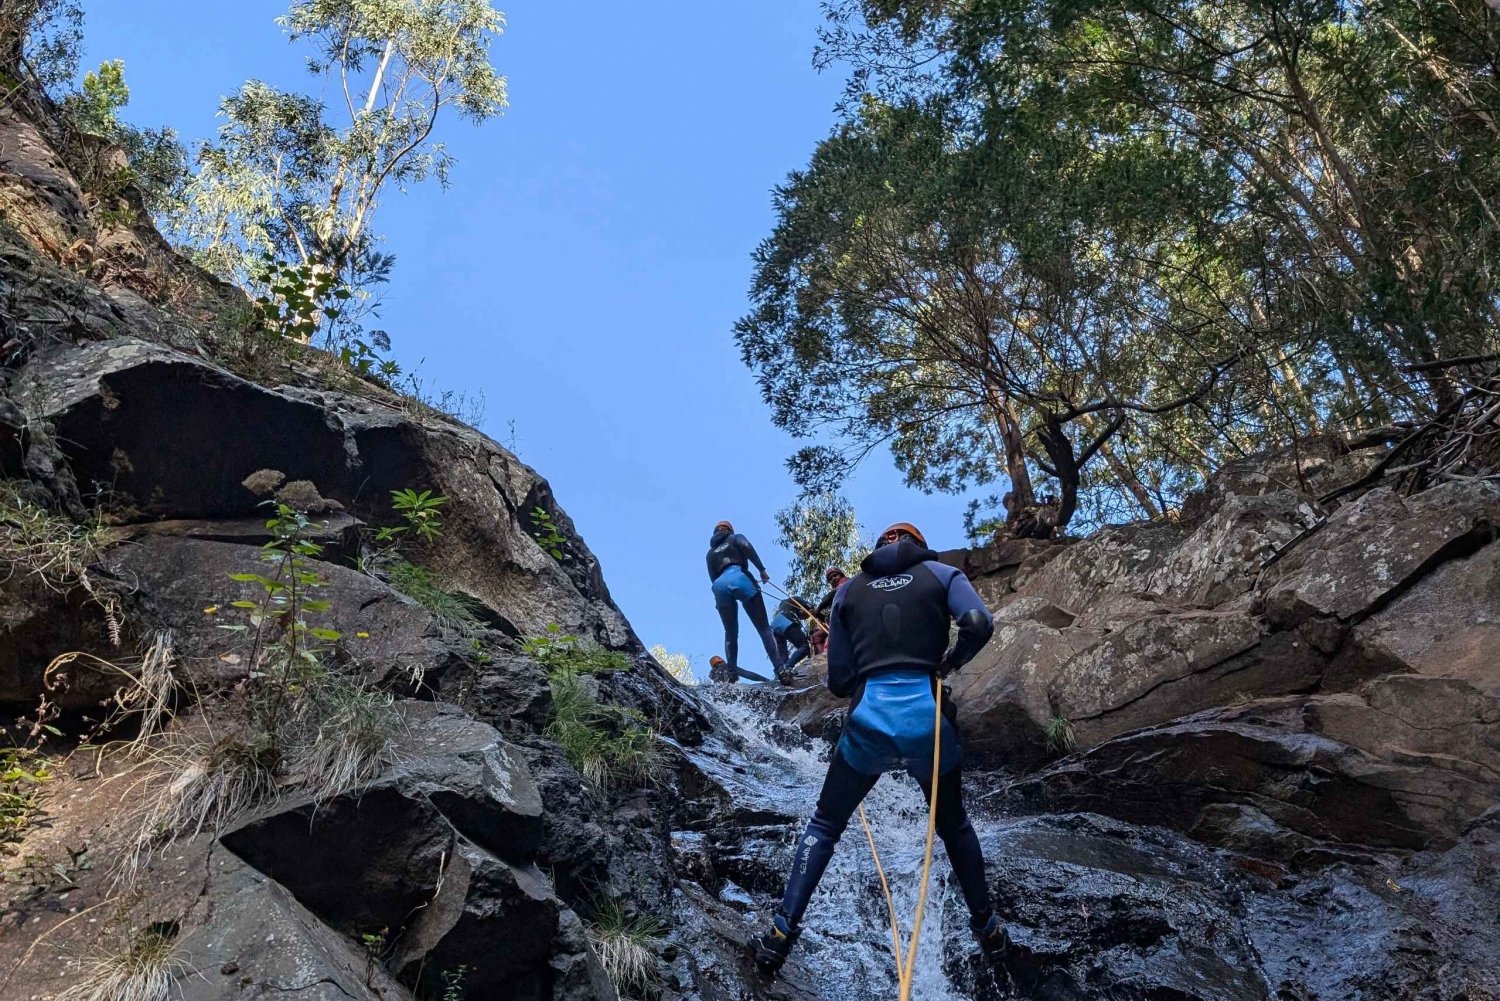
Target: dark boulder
(1325, 769)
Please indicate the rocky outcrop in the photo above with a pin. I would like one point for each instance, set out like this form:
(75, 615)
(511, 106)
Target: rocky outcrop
(128, 412)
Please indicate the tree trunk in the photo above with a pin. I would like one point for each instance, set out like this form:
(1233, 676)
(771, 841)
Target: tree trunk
(1013, 449)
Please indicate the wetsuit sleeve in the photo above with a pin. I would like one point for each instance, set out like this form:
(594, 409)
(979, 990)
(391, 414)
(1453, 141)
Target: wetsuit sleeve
(975, 624)
(749, 552)
(841, 666)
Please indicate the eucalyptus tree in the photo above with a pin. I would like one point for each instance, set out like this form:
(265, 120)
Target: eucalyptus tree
(300, 179)
(819, 531)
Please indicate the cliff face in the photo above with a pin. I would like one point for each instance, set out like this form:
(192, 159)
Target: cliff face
(1251, 754)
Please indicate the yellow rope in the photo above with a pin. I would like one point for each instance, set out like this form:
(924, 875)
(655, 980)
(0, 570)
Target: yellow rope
(890, 904)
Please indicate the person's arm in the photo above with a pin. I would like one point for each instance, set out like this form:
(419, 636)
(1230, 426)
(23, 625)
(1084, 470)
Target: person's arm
(753, 557)
(841, 666)
(975, 624)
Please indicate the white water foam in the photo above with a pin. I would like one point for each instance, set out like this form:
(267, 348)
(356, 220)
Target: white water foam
(846, 942)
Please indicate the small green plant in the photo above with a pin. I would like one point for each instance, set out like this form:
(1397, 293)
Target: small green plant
(1060, 734)
(296, 723)
(131, 965)
(606, 743)
(420, 511)
(547, 534)
(360, 358)
(20, 799)
(454, 612)
(626, 947)
(453, 984)
(558, 651)
(298, 298)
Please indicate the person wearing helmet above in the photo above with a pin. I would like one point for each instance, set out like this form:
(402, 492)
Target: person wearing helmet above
(834, 576)
(888, 649)
(720, 673)
(791, 638)
(730, 557)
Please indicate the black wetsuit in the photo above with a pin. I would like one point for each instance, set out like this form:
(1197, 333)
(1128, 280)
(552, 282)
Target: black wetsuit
(791, 639)
(887, 647)
(729, 559)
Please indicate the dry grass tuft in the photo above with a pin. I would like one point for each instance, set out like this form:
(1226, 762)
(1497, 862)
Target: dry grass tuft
(132, 965)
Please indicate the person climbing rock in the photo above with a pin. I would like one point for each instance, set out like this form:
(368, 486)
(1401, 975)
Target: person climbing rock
(791, 639)
(888, 648)
(835, 576)
(730, 557)
(720, 673)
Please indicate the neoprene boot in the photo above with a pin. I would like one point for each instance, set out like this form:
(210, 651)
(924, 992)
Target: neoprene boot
(993, 939)
(772, 948)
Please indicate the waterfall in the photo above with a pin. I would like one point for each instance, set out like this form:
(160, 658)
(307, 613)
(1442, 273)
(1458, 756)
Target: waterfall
(768, 765)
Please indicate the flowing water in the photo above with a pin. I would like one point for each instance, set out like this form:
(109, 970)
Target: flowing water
(772, 769)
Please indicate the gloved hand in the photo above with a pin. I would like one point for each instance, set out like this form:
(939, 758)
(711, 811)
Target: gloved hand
(948, 666)
(765, 578)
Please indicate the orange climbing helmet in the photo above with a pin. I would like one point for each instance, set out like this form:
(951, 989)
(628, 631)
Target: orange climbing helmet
(903, 527)
(724, 525)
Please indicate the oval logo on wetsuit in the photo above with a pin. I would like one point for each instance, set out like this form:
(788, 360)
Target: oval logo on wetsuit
(893, 583)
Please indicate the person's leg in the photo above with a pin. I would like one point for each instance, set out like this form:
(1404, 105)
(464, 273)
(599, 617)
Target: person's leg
(781, 645)
(800, 647)
(729, 614)
(844, 788)
(960, 841)
(755, 607)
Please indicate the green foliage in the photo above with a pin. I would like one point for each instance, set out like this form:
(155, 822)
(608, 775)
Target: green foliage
(20, 799)
(1060, 734)
(53, 39)
(156, 162)
(606, 743)
(420, 511)
(52, 549)
(301, 179)
(1106, 249)
(454, 612)
(297, 298)
(627, 947)
(547, 534)
(819, 531)
(453, 983)
(558, 651)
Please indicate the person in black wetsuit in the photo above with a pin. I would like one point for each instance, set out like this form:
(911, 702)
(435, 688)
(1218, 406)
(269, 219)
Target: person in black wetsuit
(888, 648)
(791, 639)
(729, 559)
(835, 577)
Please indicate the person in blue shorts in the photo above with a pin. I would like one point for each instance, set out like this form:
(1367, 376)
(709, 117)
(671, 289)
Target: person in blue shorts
(792, 643)
(730, 557)
(888, 649)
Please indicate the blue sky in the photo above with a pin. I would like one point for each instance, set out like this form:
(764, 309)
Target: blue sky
(586, 267)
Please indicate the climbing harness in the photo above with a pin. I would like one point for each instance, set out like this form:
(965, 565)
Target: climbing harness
(905, 969)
